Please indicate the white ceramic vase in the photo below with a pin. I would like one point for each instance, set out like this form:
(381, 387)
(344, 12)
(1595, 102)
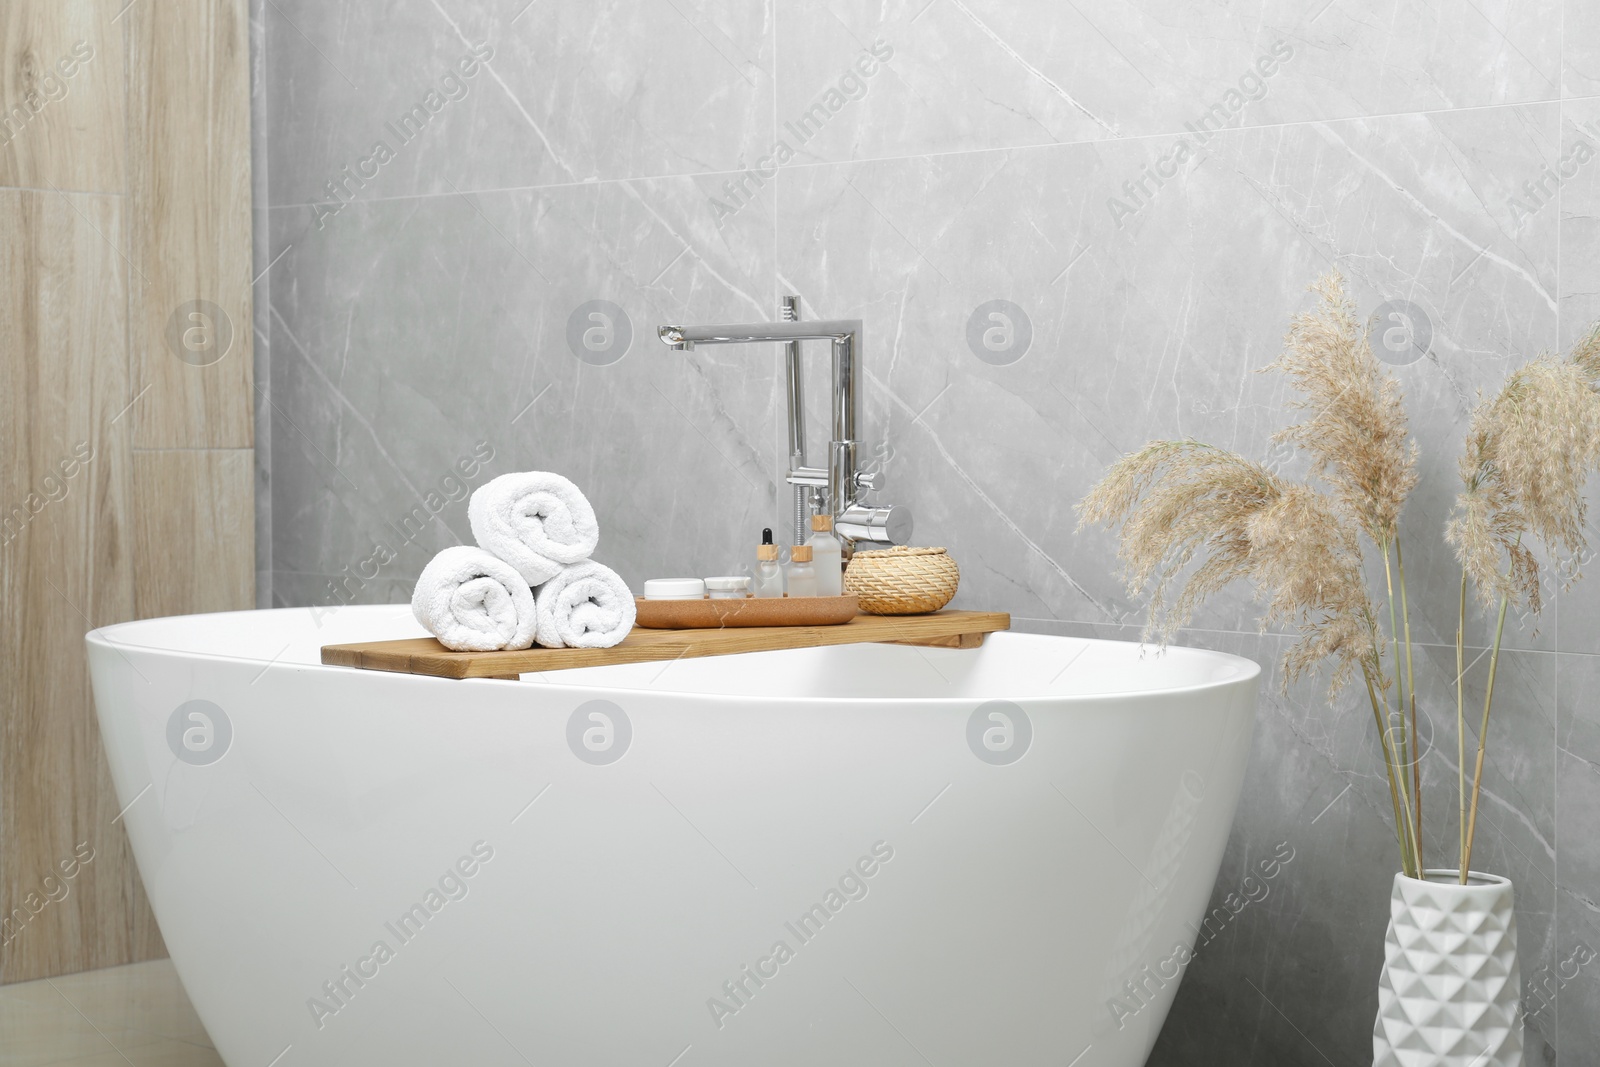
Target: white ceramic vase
(1450, 991)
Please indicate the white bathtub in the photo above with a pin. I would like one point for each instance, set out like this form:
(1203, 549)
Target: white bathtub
(954, 881)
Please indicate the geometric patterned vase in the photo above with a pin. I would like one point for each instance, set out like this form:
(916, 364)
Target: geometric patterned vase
(1450, 993)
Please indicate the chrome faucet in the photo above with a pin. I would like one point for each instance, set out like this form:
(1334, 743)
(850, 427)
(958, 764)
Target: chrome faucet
(855, 522)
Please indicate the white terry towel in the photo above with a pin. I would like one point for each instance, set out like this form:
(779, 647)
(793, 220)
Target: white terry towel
(473, 602)
(586, 605)
(536, 521)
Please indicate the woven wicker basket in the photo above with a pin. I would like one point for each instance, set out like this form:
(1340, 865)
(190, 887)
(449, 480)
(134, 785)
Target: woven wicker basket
(902, 580)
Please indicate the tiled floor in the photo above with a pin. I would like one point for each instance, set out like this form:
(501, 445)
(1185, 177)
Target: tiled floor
(134, 1015)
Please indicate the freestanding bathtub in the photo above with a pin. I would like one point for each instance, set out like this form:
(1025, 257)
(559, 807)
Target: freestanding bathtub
(863, 854)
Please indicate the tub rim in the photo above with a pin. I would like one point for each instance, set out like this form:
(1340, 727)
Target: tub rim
(101, 636)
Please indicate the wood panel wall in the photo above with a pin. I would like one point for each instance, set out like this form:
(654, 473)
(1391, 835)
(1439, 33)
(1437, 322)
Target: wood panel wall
(125, 424)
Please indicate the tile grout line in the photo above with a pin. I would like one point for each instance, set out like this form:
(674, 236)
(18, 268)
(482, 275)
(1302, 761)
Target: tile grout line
(952, 153)
(114, 1046)
(1555, 621)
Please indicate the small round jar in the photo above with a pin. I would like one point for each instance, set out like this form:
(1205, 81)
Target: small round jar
(674, 589)
(731, 587)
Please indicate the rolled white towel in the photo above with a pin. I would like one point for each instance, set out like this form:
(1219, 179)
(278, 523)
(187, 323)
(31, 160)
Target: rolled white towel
(586, 605)
(473, 602)
(536, 521)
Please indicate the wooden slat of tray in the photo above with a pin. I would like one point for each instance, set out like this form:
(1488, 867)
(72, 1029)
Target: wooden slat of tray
(424, 655)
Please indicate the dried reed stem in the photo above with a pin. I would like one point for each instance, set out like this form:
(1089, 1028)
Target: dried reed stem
(1403, 753)
(1411, 688)
(1530, 451)
(1461, 721)
(1483, 741)
(1395, 766)
(1358, 439)
(1389, 767)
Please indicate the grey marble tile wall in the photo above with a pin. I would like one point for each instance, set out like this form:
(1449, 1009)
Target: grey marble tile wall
(479, 212)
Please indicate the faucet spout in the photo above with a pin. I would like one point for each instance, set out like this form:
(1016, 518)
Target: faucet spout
(672, 337)
(745, 333)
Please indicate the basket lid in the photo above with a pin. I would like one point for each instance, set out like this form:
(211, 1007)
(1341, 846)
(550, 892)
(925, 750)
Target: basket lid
(903, 550)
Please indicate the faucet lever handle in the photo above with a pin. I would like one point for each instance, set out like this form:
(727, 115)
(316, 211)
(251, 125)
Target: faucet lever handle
(873, 480)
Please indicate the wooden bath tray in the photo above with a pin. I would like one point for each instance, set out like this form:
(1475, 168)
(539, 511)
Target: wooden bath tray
(706, 614)
(424, 655)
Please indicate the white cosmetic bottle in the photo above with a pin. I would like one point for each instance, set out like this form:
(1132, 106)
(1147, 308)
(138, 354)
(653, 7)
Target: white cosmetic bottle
(827, 556)
(801, 576)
